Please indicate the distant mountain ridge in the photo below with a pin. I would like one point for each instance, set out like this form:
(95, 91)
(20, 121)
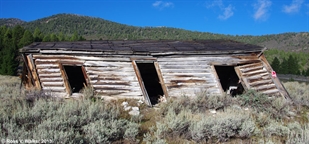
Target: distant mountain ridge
(97, 28)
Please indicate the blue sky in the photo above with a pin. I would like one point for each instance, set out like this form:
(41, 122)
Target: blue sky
(234, 17)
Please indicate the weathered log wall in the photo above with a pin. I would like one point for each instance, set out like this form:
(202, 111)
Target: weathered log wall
(108, 76)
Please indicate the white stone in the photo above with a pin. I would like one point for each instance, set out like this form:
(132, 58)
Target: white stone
(135, 108)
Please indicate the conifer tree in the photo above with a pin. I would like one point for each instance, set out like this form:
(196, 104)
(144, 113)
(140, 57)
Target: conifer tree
(284, 66)
(53, 37)
(38, 36)
(26, 39)
(17, 34)
(46, 38)
(9, 62)
(276, 65)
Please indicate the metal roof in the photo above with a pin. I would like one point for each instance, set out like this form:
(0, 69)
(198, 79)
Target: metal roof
(147, 46)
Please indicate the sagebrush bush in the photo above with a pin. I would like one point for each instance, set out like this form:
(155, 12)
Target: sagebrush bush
(276, 129)
(35, 115)
(251, 116)
(299, 92)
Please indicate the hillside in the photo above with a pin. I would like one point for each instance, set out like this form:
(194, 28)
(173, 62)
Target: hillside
(11, 21)
(97, 28)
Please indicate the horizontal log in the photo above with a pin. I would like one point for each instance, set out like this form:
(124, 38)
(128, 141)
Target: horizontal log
(57, 74)
(179, 66)
(108, 64)
(122, 96)
(117, 86)
(261, 82)
(185, 71)
(109, 69)
(52, 70)
(42, 66)
(51, 79)
(111, 73)
(249, 69)
(52, 83)
(111, 83)
(185, 63)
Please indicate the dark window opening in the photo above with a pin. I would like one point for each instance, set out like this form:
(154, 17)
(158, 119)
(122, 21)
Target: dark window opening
(229, 80)
(151, 81)
(76, 78)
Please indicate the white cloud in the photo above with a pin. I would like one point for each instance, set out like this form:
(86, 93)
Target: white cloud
(261, 9)
(227, 11)
(294, 7)
(162, 4)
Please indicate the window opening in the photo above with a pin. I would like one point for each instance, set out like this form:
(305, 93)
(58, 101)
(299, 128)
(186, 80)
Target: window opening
(151, 81)
(229, 80)
(75, 77)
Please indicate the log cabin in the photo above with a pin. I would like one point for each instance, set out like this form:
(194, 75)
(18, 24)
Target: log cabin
(148, 69)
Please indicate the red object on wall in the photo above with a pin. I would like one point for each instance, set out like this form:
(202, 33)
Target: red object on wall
(273, 73)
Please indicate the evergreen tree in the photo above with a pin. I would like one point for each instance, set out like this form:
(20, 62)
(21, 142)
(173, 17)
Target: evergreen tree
(46, 38)
(284, 66)
(3, 30)
(61, 36)
(38, 36)
(9, 62)
(26, 39)
(293, 67)
(53, 38)
(74, 37)
(276, 65)
(17, 34)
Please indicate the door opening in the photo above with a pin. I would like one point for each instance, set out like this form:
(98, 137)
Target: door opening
(151, 81)
(76, 78)
(229, 80)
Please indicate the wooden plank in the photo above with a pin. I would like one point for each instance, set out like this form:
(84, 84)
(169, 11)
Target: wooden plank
(43, 66)
(276, 80)
(51, 79)
(161, 80)
(54, 88)
(34, 72)
(109, 73)
(52, 83)
(50, 74)
(107, 64)
(123, 96)
(142, 86)
(261, 82)
(92, 58)
(184, 70)
(27, 75)
(179, 66)
(249, 69)
(257, 72)
(65, 79)
(184, 63)
(51, 70)
(111, 78)
(99, 69)
(116, 86)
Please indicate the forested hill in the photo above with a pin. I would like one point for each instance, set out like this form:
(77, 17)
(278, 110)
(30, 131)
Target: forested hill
(97, 28)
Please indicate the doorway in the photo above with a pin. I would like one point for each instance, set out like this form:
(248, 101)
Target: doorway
(151, 81)
(229, 80)
(75, 77)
